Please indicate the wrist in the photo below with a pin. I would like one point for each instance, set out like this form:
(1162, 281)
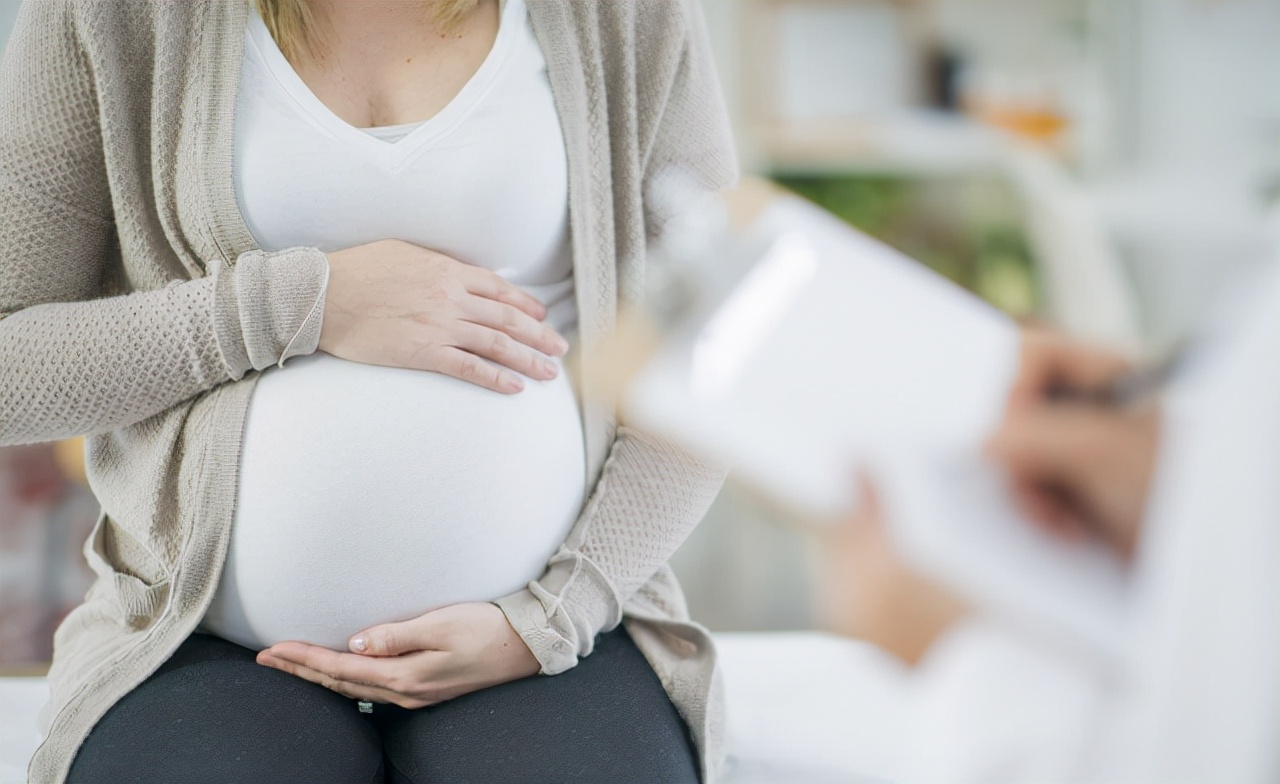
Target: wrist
(523, 662)
(528, 618)
(331, 323)
(925, 623)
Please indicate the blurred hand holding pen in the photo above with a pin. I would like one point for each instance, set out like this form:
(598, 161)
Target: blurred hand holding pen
(1078, 443)
(1079, 438)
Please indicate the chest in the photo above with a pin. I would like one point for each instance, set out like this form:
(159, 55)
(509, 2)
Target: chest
(484, 180)
(393, 65)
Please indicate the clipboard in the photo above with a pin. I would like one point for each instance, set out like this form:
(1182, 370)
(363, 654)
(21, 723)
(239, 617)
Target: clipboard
(819, 346)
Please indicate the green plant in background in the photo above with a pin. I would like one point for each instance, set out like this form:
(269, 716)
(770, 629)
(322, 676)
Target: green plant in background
(967, 230)
(1006, 274)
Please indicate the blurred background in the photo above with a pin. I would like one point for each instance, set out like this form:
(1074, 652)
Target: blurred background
(1099, 165)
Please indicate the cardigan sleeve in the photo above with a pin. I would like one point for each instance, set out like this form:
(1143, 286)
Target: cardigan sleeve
(73, 361)
(651, 494)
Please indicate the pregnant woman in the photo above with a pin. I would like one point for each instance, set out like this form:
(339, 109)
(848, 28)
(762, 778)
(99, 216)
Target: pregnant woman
(306, 271)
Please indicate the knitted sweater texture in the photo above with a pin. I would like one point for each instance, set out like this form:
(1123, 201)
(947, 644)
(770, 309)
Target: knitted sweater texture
(136, 307)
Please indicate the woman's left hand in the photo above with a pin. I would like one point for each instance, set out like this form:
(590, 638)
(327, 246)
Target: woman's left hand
(430, 659)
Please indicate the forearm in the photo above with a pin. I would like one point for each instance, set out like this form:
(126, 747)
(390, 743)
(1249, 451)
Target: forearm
(71, 368)
(649, 498)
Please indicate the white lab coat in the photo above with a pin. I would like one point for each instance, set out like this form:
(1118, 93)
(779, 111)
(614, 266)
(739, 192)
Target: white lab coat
(1202, 700)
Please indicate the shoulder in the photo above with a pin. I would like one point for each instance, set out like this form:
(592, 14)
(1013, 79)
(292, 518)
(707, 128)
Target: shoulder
(125, 44)
(129, 26)
(144, 11)
(648, 28)
(627, 51)
(96, 17)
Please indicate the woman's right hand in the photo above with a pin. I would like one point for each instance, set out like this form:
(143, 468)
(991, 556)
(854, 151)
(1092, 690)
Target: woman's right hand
(396, 304)
(1077, 468)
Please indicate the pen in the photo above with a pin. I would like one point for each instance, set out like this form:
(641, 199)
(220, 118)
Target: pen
(1128, 391)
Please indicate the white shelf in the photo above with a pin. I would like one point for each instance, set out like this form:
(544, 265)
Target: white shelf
(923, 144)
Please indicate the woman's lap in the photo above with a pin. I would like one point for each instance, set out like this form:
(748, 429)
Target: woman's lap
(608, 719)
(212, 714)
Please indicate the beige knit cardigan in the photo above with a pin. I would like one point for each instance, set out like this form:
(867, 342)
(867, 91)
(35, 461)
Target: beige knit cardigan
(135, 306)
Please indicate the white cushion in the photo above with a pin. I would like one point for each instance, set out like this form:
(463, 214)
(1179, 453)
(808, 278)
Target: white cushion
(22, 699)
(809, 707)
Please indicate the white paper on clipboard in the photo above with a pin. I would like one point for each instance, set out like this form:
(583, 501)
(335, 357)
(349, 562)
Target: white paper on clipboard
(834, 346)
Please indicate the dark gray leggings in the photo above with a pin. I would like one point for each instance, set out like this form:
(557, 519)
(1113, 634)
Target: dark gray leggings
(212, 714)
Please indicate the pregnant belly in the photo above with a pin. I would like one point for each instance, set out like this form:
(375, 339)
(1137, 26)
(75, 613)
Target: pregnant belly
(369, 495)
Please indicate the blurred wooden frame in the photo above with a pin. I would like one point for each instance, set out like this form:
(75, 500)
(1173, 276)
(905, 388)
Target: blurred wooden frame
(764, 98)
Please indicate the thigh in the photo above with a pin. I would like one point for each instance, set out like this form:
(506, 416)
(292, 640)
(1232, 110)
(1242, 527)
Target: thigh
(212, 714)
(608, 719)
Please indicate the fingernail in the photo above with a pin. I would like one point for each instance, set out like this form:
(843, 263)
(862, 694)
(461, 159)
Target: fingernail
(562, 346)
(359, 644)
(512, 384)
(550, 370)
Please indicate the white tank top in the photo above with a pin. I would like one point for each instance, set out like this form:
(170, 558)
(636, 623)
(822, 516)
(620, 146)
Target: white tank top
(367, 494)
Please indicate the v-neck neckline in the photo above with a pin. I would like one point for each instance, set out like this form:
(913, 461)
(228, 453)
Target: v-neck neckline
(391, 154)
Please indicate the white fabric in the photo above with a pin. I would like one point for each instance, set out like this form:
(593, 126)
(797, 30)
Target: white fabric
(812, 708)
(392, 133)
(438, 491)
(989, 705)
(1211, 688)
